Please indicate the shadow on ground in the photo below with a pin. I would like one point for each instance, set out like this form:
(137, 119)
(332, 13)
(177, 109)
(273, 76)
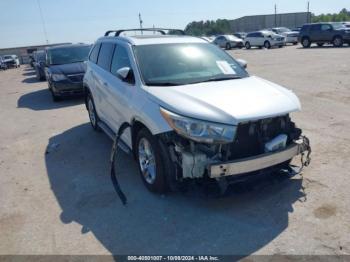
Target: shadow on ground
(238, 224)
(42, 100)
(324, 47)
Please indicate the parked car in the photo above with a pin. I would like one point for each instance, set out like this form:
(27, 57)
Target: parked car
(291, 37)
(323, 33)
(240, 35)
(3, 65)
(11, 61)
(228, 42)
(346, 24)
(39, 58)
(195, 112)
(296, 29)
(262, 39)
(65, 69)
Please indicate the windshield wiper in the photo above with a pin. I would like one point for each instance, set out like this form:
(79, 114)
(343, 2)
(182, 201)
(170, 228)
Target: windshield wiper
(214, 79)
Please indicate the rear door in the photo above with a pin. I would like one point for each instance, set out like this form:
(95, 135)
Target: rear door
(102, 80)
(118, 92)
(315, 33)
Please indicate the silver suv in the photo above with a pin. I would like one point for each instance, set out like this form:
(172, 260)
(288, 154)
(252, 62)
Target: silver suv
(194, 111)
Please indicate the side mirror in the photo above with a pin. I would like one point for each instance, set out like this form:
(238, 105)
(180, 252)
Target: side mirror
(242, 63)
(126, 74)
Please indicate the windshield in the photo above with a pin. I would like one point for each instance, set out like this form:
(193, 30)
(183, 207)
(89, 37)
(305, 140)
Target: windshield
(338, 25)
(68, 55)
(7, 57)
(40, 56)
(283, 30)
(181, 64)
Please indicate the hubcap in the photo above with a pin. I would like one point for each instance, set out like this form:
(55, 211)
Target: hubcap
(337, 41)
(147, 161)
(306, 42)
(92, 112)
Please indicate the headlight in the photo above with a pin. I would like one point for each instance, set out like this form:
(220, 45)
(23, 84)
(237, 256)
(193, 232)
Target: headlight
(199, 131)
(58, 77)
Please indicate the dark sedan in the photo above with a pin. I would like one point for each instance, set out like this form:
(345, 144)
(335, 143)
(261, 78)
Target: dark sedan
(39, 64)
(65, 70)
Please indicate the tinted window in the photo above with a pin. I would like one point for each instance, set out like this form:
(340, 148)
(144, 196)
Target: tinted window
(94, 53)
(67, 55)
(315, 27)
(120, 59)
(326, 27)
(105, 56)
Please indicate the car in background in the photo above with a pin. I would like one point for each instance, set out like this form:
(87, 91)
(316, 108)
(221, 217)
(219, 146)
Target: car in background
(240, 35)
(296, 29)
(11, 61)
(262, 39)
(3, 66)
(64, 69)
(39, 58)
(323, 33)
(346, 24)
(291, 37)
(228, 41)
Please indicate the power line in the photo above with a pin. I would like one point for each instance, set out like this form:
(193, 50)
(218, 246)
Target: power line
(43, 22)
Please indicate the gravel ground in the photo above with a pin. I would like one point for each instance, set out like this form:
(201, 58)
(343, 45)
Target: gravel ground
(56, 196)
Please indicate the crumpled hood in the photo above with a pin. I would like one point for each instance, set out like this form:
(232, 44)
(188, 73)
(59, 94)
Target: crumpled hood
(228, 102)
(68, 69)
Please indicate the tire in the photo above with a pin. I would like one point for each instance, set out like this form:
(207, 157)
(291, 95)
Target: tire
(306, 42)
(267, 45)
(55, 98)
(228, 46)
(92, 112)
(338, 41)
(153, 162)
(320, 44)
(247, 45)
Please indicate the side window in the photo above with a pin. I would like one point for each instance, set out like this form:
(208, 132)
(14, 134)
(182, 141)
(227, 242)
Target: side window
(120, 59)
(259, 34)
(105, 56)
(94, 53)
(250, 35)
(326, 27)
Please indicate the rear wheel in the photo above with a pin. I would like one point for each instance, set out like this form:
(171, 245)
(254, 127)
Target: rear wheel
(247, 45)
(338, 41)
(306, 42)
(228, 46)
(92, 113)
(153, 162)
(267, 45)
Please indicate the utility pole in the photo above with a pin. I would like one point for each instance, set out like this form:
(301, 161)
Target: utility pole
(43, 22)
(308, 12)
(141, 22)
(275, 15)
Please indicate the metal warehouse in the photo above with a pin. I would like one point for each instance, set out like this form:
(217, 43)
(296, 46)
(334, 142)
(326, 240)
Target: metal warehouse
(258, 22)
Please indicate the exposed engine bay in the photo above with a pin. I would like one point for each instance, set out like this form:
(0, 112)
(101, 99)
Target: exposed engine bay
(256, 142)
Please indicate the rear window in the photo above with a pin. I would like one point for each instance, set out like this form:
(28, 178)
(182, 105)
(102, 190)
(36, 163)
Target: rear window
(105, 56)
(94, 53)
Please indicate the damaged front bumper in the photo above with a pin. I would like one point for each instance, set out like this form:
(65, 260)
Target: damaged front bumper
(251, 164)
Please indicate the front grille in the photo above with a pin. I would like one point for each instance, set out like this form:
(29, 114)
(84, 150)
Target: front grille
(76, 78)
(251, 137)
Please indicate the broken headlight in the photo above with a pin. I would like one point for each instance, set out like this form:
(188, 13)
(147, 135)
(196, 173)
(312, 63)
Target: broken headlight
(198, 130)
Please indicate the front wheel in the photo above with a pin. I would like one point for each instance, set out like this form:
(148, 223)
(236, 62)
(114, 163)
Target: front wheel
(267, 45)
(247, 45)
(338, 41)
(153, 162)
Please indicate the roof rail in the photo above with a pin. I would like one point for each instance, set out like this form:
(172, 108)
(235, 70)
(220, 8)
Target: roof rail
(159, 30)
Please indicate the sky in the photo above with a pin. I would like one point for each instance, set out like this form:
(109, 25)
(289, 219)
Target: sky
(86, 20)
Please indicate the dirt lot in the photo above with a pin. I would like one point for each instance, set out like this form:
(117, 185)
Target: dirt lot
(56, 196)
